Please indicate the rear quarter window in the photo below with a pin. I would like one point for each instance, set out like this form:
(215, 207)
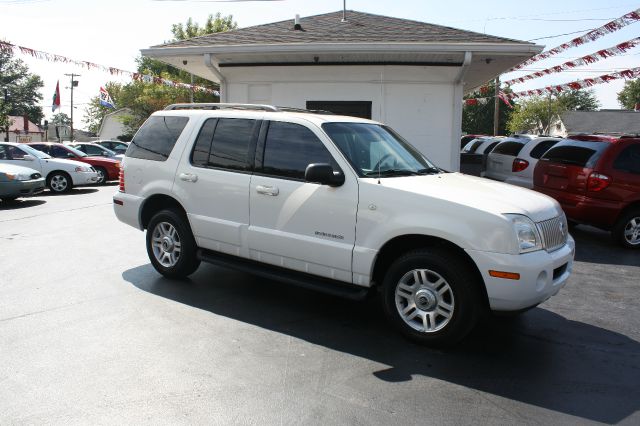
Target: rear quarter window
(157, 137)
(508, 148)
(541, 148)
(578, 153)
(629, 160)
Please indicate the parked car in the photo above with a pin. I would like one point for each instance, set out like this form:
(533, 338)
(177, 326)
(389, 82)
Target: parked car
(17, 181)
(61, 175)
(342, 205)
(473, 158)
(117, 146)
(513, 160)
(465, 139)
(107, 168)
(596, 180)
(95, 150)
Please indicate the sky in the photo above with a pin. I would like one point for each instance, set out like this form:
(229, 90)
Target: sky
(111, 33)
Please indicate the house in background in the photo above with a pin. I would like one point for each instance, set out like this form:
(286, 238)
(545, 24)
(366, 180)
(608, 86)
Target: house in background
(603, 121)
(111, 126)
(22, 130)
(410, 75)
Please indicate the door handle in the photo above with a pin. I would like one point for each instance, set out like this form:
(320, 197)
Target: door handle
(267, 190)
(188, 177)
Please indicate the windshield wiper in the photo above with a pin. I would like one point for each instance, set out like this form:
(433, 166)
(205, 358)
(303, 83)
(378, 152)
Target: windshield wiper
(429, 171)
(392, 172)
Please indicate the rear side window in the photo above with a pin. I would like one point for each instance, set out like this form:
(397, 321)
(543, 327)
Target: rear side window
(578, 153)
(490, 147)
(508, 148)
(290, 148)
(628, 160)
(157, 137)
(224, 143)
(541, 148)
(473, 146)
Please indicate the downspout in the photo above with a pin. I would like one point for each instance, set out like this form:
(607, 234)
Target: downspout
(458, 93)
(223, 81)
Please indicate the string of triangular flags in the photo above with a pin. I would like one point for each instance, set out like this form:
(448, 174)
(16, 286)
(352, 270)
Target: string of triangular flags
(592, 35)
(504, 97)
(50, 57)
(585, 60)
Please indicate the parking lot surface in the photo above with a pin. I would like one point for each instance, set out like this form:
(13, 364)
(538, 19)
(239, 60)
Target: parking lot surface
(91, 334)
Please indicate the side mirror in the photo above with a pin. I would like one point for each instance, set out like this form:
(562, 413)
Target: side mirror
(323, 174)
(29, 157)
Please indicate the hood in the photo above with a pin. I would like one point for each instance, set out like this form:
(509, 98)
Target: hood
(10, 168)
(103, 160)
(62, 162)
(483, 194)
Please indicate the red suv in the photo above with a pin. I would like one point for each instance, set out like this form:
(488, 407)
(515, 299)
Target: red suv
(107, 168)
(596, 179)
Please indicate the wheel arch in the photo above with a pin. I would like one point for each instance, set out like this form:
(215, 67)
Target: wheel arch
(399, 245)
(158, 202)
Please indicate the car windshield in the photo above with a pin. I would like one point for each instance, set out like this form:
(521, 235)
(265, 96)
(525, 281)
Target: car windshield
(375, 150)
(34, 152)
(76, 151)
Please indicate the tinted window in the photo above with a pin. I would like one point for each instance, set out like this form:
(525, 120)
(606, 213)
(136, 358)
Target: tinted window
(508, 148)
(41, 148)
(628, 160)
(157, 137)
(541, 148)
(579, 153)
(10, 152)
(475, 146)
(200, 154)
(91, 150)
(490, 147)
(59, 152)
(231, 140)
(290, 148)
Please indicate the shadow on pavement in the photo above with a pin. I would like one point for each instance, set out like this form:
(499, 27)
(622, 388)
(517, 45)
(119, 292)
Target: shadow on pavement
(594, 245)
(74, 191)
(20, 203)
(539, 358)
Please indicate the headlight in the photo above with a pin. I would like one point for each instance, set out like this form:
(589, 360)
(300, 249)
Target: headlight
(526, 233)
(82, 169)
(18, 176)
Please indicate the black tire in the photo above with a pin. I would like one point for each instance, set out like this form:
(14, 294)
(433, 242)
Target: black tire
(572, 224)
(10, 199)
(463, 296)
(629, 223)
(102, 175)
(59, 182)
(178, 264)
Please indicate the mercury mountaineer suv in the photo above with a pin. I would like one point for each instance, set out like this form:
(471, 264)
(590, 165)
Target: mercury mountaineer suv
(341, 205)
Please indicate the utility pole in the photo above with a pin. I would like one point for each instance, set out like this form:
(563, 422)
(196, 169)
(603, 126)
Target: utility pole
(74, 83)
(496, 108)
(5, 108)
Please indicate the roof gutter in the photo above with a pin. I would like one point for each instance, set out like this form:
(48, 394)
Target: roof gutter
(223, 81)
(464, 68)
(495, 48)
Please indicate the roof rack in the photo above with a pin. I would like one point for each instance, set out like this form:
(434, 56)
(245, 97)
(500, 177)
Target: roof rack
(247, 107)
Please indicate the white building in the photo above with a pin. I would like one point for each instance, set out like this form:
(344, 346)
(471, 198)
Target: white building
(112, 126)
(410, 75)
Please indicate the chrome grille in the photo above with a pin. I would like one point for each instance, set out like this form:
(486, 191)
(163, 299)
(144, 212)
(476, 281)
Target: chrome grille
(554, 232)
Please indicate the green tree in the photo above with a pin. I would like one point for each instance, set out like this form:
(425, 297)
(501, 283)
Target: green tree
(22, 89)
(538, 113)
(478, 119)
(143, 99)
(629, 96)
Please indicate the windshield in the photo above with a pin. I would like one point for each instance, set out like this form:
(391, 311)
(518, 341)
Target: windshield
(373, 149)
(34, 152)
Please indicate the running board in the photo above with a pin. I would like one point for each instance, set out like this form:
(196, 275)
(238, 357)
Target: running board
(276, 273)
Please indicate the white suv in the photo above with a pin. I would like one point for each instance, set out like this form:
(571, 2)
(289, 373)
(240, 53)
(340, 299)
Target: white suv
(341, 205)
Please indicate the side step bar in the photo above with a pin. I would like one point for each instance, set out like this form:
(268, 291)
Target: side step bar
(275, 273)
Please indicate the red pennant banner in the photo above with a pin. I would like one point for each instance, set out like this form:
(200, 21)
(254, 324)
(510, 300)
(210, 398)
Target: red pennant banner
(585, 60)
(5, 46)
(592, 35)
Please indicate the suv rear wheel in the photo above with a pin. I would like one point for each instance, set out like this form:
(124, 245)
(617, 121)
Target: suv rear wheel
(170, 245)
(432, 297)
(627, 229)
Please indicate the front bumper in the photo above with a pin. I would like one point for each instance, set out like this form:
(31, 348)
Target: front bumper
(542, 275)
(22, 188)
(84, 178)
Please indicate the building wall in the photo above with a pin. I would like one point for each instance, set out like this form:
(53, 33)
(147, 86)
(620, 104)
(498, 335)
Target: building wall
(111, 126)
(418, 102)
(23, 137)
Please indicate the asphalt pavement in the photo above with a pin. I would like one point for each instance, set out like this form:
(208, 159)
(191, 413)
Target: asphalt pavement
(91, 334)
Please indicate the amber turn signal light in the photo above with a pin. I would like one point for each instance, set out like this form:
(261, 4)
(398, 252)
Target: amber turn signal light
(505, 275)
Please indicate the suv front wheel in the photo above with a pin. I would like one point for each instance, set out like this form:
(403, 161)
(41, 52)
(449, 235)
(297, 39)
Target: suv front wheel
(170, 245)
(432, 297)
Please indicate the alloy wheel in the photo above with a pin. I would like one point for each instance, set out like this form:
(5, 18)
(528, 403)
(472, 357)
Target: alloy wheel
(166, 244)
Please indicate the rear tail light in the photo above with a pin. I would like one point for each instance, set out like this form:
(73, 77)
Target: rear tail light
(597, 182)
(519, 165)
(121, 179)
